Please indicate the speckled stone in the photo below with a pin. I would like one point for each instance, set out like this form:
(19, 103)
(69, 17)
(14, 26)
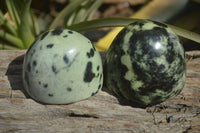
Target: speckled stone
(145, 64)
(62, 67)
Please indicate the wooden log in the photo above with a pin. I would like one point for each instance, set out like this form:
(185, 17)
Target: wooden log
(100, 113)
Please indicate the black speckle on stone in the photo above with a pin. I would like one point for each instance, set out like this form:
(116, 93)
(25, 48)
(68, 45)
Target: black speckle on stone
(88, 75)
(55, 55)
(39, 83)
(45, 85)
(34, 63)
(50, 45)
(93, 47)
(70, 32)
(44, 35)
(91, 53)
(99, 87)
(97, 68)
(146, 90)
(65, 36)
(29, 67)
(36, 71)
(57, 31)
(65, 58)
(54, 69)
(161, 67)
(33, 52)
(160, 31)
(140, 24)
(50, 95)
(69, 89)
(93, 93)
(101, 77)
(170, 57)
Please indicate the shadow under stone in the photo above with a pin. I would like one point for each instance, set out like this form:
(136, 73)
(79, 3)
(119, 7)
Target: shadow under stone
(14, 74)
(122, 100)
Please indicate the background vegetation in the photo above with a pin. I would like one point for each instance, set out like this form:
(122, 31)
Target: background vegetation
(22, 21)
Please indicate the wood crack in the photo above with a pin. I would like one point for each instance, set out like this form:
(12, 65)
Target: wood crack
(83, 115)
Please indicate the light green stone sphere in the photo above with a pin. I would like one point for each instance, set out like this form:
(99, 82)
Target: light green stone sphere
(62, 67)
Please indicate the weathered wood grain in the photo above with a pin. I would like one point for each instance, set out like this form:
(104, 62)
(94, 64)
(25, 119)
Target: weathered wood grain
(100, 113)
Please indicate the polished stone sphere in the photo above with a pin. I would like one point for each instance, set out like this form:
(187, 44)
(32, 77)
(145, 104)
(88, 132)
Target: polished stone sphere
(62, 67)
(145, 64)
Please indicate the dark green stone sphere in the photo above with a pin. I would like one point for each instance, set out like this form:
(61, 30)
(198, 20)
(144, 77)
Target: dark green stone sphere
(145, 64)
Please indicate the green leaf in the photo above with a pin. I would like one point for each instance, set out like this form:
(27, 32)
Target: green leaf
(4, 22)
(25, 25)
(92, 9)
(120, 22)
(69, 19)
(86, 10)
(12, 39)
(185, 33)
(8, 47)
(13, 12)
(100, 23)
(35, 28)
(79, 14)
(67, 10)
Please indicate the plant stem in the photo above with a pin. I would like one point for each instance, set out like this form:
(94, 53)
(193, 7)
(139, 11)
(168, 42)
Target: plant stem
(12, 39)
(36, 28)
(69, 8)
(13, 12)
(93, 9)
(25, 25)
(7, 25)
(8, 47)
